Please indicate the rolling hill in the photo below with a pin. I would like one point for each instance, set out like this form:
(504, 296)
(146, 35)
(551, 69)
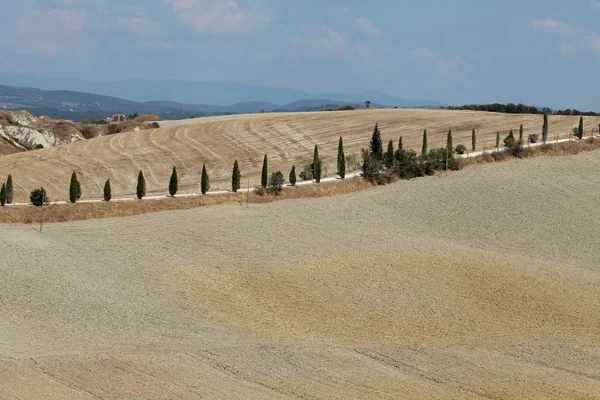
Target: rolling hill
(287, 138)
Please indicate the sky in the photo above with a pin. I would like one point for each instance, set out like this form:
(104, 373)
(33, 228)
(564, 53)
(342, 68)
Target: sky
(537, 52)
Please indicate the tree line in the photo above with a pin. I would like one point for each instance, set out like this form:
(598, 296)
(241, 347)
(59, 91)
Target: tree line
(378, 166)
(511, 108)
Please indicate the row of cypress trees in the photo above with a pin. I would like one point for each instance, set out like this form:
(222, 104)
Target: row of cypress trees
(6, 192)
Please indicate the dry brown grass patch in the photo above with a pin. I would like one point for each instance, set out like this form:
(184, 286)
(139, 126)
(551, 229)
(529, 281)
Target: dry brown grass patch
(115, 209)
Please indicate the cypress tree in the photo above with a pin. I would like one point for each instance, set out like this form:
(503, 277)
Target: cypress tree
(449, 142)
(473, 140)
(204, 183)
(73, 188)
(497, 140)
(580, 129)
(341, 160)
(389, 155)
(293, 176)
(107, 191)
(424, 147)
(545, 127)
(141, 186)
(3, 195)
(173, 183)
(9, 190)
(316, 165)
(376, 145)
(521, 134)
(400, 145)
(78, 189)
(264, 180)
(235, 177)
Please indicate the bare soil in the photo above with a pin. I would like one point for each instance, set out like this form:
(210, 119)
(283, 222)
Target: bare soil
(484, 284)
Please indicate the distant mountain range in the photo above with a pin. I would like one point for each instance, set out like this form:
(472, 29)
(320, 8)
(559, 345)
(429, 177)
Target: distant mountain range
(77, 99)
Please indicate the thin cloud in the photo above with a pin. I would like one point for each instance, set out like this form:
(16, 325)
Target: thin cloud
(330, 44)
(219, 17)
(367, 26)
(566, 49)
(449, 68)
(551, 25)
(593, 43)
(140, 25)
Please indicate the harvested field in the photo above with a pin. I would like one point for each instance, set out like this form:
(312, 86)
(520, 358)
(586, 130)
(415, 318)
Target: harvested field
(287, 138)
(484, 284)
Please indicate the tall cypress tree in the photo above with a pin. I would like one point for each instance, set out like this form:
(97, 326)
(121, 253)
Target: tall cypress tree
(107, 191)
(545, 127)
(497, 140)
(293, 176)
(204, 182)
(3, 195)
(473, 140)
(389, 155)
(424, 147)
(400, 144)
(73, 188)
(264, 179)
(317, 165)
(173, 183)
(521, 134)
(580, 129)
(376, 145)
(449, 142)
(141, 186)
(341, 160)
(78, 189)
(9, 190)
(235, 177)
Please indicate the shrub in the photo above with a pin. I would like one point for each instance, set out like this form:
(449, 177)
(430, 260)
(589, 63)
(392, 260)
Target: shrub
(235, 177)
(141, 186)
(260, 190)
(352, 162)
(461, 149)
(204, 182)
(38, 197)
(293, 176)
(407, 164)
(307, 173)
(173, 183)
(509, 141)
(371, 165)
(107, 191)
(389, 155)
(9, 190)
(532, 137)
(275, 183)
(113, 128)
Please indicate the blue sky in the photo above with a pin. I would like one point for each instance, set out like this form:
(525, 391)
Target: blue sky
(539, 52)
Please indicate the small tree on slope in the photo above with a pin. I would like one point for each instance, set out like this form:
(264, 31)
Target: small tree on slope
(473, 141)
(3, 195)
(450, 148)
(204, 182)
(173, 183)
(141, 186)
(264, 180)
(580, 129)
(341, 160)
(521, 134)
(73, 188)
(9, 190)
(545, 127)
(389, 155)
(293, 176)
(424, 146)
(317, 167)
(376, 145)
(107, 191)
(235, 177)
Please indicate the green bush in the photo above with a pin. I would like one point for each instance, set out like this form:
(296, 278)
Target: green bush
(38, 197)
(276, 182)
(461, 149)
(173, 183)
(107, 191)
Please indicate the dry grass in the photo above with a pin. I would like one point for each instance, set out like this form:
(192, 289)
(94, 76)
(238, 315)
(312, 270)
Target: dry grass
(87, 211)
(288, 139)
(557, 149)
